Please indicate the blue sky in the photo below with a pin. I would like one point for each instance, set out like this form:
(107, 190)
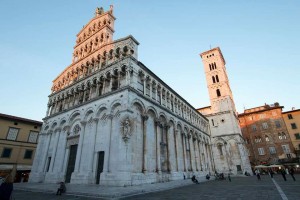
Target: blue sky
(259, 40)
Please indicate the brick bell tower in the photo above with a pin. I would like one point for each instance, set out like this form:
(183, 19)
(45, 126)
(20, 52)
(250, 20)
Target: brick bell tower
(228, 144)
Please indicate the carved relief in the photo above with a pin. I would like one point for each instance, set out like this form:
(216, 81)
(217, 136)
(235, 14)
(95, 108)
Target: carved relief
(126, 129)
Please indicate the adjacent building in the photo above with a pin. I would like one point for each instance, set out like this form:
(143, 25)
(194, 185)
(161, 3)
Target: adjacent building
(292, 122)
(112, 121)
(228, 145)
(18, 141)
(266, 135)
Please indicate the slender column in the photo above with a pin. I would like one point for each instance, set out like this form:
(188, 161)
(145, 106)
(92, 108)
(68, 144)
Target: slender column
(57, 134)
(184, 152)
(91, 90)
(46, 152)
(176, 148)
(158, 136)
(204, 156)
(195, 152)
(144, 121)
(169, 166)
(110, 117)
(199, 152)
(97, 88)
(37, 161)
(65, 133)
(103, 86)
(189, 143)
(144, 86)
(48, 108)
(92, 144)
(79, 150)
(119, 83)
(74, 100)
(208, 156)
(84, 93)
(161, 100)
(110, 83)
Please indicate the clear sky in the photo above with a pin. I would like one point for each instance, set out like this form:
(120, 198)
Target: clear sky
(259, 40)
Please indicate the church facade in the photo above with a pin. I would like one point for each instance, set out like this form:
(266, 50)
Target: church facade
(112, 121)
(228, 145)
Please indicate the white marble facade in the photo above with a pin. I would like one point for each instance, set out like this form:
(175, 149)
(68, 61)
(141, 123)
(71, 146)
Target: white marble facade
(111, 121)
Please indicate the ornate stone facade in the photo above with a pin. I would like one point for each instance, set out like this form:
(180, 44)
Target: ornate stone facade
(228, 145)
(111, 121)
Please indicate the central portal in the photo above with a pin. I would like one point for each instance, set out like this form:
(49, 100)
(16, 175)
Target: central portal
(71, 162)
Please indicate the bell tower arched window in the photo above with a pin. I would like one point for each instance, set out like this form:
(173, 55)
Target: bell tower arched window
(213, 79)
(218, 93)
(217, 78)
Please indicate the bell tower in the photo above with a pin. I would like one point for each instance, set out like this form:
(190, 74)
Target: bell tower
(220, 94)
(230, 154)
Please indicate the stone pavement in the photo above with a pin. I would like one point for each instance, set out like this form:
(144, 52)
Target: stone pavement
(104, 192)
(240, 188)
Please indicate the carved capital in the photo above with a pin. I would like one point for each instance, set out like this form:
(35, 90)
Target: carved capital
(57, 130)
(145, 117)
(83, 123)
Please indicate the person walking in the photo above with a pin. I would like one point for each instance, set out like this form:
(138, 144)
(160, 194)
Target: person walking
(257, 172)
(292, 173)
(271, 173)
(6, 188)
(283, 174)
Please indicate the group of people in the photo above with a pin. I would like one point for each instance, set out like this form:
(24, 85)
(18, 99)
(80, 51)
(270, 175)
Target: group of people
(282, 171)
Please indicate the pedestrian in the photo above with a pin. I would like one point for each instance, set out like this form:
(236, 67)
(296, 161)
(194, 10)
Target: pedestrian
(292, 173)
(6, 188)
(271, 173)
(229, 178)
(61, 189)
(207, 176)
(257, 172)
(194, 179)
(283, 172)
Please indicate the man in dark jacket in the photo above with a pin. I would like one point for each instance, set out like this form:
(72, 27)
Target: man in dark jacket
(291, 171)
(6, 188)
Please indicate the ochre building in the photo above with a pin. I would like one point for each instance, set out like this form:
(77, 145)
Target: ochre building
(18, 141)
(292, 122)
(112, 121)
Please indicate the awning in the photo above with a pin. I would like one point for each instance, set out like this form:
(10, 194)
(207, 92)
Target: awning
(19, 167)
(261, 166)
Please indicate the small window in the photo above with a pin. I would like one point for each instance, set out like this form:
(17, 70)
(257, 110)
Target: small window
(12, 133)
(272, 150)
(220, 150)
(254, 127)
(213, 79)
(277, 123)
(33, 135)
(294, 126)
(265, 125)
(217, 78)
(261, 151)
(297, 136)
(28, 154)
(6, 153)
(286, 148)
(290, 116)
(218, 93)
